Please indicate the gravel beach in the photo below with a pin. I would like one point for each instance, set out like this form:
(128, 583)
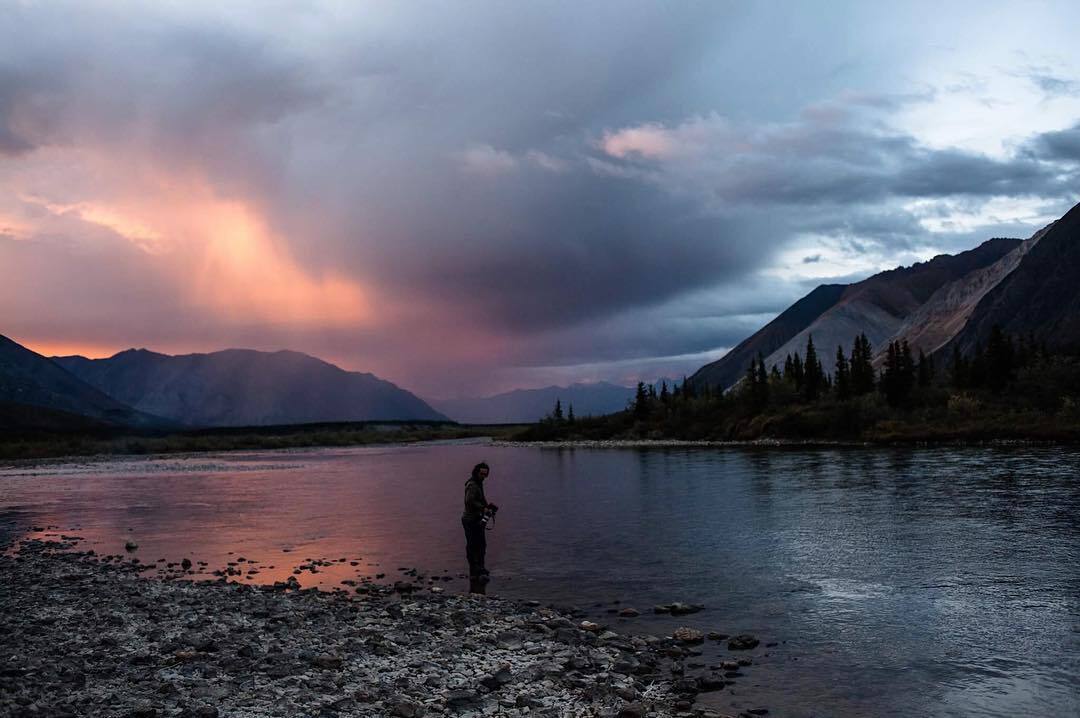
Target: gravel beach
(91, 635)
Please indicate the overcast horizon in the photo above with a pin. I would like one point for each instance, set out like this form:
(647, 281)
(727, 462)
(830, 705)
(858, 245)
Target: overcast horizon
(470, 198)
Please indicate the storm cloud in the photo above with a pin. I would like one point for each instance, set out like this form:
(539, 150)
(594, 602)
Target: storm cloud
(468, 198)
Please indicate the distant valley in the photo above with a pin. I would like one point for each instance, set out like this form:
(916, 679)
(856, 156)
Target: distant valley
(523, 406)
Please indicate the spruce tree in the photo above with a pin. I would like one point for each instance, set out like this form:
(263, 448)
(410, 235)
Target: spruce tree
(797, 372)
(842, 375)
(926, 370)
(570, 415)
(812, 372)
(907, 368)
(898, 374)
(862, 368)
(959, 369)
(762, 380)
(1000, 360)
(557, 414)
(641, 401)
(665, 396)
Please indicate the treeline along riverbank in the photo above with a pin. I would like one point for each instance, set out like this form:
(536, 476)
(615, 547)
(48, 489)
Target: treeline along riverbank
(1012, 389)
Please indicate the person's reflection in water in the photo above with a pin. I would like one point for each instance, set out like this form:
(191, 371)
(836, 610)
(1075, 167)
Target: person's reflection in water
(478, 584)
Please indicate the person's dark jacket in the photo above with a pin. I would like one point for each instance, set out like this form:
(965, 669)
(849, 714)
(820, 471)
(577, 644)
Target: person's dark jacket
(475, 502)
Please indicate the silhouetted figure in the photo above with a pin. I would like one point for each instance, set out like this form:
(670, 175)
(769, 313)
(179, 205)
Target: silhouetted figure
(474, 518)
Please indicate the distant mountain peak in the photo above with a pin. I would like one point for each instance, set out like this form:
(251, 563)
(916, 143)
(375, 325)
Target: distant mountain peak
(248, 387)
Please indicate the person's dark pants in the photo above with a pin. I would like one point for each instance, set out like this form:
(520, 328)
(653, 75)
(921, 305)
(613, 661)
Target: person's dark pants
(475, 545)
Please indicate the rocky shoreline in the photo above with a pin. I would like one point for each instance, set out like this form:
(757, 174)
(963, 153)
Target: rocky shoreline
(91, 635)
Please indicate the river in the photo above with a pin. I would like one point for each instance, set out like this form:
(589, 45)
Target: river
(930, 582)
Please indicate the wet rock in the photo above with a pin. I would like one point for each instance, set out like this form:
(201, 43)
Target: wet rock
(405, 709)
(460, 699)
(684, 609)
(327, 662)
(742, 642)
(710, 682)
(688, 635)
(498, 679)
(629, 612)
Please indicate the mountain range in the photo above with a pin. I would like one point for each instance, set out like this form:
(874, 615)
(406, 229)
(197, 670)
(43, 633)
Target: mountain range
(243, 387)
(38, 393)
(523, 406)
(1029, 287)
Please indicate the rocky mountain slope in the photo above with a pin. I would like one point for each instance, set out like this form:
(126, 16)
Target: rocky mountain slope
(1029, 288)
(942, 317)
(1040, 297)
(883, 307)
(730, 368)
(242, 387)
(38, 393)
(880, 305)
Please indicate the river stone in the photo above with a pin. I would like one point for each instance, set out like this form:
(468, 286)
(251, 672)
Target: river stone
(404, 709)
(327, 661)
(684, 609)
(743, 642)
(688, 635)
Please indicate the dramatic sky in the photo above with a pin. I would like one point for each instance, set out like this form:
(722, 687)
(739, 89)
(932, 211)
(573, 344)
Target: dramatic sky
(465, 197)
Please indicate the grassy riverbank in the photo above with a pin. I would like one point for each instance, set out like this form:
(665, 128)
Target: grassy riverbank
(50, 444)
(960, 418)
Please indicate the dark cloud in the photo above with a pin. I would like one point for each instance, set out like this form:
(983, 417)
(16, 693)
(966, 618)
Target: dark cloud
(1062, 145)
(555, 183)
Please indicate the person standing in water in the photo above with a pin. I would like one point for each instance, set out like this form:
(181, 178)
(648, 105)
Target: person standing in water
(474, 519)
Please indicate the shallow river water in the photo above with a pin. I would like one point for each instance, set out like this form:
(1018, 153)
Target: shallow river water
(930, 582)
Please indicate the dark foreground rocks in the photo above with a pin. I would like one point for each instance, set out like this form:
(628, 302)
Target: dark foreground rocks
(83, 637)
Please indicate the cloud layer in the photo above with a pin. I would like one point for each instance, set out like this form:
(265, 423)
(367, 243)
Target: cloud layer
(467, 201)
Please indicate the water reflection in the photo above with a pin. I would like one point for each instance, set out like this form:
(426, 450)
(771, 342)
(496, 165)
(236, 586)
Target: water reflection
(936, 582)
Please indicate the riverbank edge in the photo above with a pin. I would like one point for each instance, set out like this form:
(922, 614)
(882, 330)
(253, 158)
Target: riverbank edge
(59, 459)
(772, 443)
(91, 635)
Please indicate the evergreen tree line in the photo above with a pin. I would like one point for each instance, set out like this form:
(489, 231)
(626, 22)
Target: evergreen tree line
(557, 417)
(803, 377)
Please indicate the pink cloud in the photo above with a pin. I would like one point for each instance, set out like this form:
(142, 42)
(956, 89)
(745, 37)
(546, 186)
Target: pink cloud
(650, 140)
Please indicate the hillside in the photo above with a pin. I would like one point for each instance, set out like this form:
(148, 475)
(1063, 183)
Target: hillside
(728, 369)
(28, 379)
(242, 387)
(878, 306)
(1041, 297)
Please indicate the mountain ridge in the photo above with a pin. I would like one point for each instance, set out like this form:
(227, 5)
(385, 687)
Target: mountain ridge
(30, 379)
(246, 387)
(1040, 297)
